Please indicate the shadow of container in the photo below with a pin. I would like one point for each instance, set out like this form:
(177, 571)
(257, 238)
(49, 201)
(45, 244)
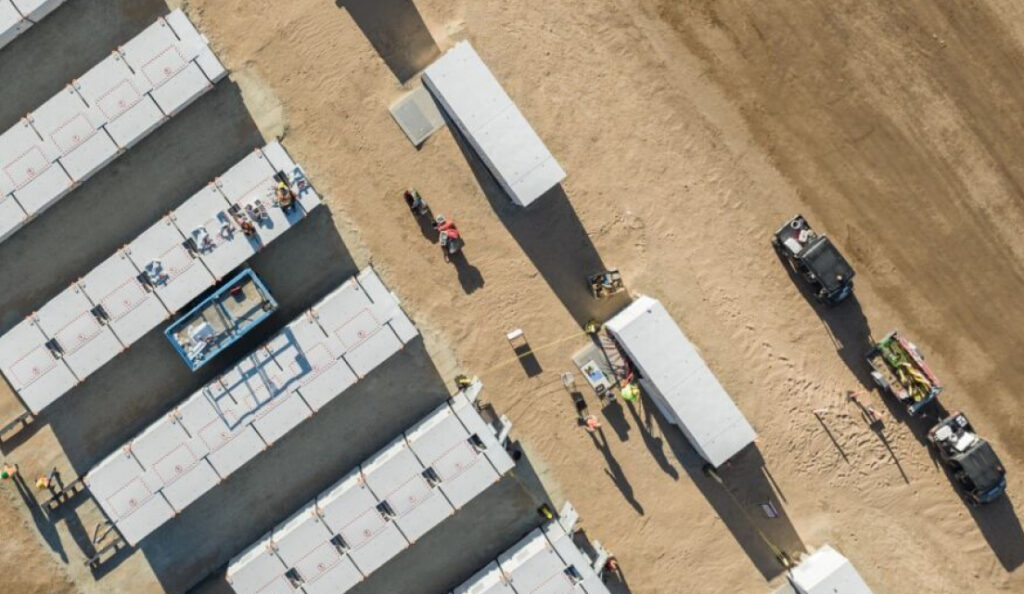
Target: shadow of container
(745, 488)
(846, 324)
(396, 31)
(551, 235)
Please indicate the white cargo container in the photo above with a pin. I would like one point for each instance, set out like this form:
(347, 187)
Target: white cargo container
(381, 508)
(18, 15)
(233, 418)
(679, 382)
(166, 267)
(492, 124)
(546, 560)
(100, 114)
(825, 572)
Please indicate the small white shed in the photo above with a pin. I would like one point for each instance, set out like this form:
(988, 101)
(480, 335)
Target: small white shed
(679, 382)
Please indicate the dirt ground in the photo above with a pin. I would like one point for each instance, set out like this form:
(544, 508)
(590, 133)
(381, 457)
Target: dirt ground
(690, 131)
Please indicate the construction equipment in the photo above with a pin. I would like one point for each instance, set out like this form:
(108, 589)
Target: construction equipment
(221, 319)
(605, 284)
(816, 258)
(970, 458)
(898, 367)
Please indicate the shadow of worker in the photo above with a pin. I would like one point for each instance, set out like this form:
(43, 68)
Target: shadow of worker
(397, 31)
(614, 470)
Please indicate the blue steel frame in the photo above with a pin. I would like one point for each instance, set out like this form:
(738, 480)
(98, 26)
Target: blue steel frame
(245, 274)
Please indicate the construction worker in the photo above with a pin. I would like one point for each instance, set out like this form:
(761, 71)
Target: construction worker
(9, 471)
(630, 392)
(247, 227)
(592, 424)
(284, 196)
(450, 238)
(416, 202)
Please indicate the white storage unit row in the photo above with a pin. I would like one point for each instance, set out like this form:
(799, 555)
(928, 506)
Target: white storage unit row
(492, 124)
(679, 382)
(154, 276)
(18, 15)
(232, 419)
(380, 508)
(101, 114)
(546, 561)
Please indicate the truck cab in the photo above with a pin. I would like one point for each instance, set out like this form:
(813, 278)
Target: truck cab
(974, 464)
(817, 260)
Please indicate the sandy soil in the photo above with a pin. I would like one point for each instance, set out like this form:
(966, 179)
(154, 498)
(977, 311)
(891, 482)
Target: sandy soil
(689, 132)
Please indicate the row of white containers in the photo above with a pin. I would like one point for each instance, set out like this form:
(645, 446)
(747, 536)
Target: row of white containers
(154, 276)
(380, 508)
(16, 16)
(232, 419)
(100, 115)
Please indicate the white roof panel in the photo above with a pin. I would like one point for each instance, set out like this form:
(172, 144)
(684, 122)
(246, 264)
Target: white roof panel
(37, 9)
(492, 124)
(467, 413)
(827, 572)
(532, 565)
(221, 244)
(12, 23)
(349, 508)
(178, 277)
(30, 367)
(146, 518)
(182, 88)
(258, 570)
(442, 443)
(12, 215)
(121, 99)
(333, 573)
(85, 343)
(238, 448)
(29, 168)
(76, 131)
(108, 479)
(685, 388)
(132, 309)
(280, 416)
(395, 476)
(489, 580)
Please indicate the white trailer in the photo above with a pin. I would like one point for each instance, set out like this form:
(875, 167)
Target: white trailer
(492, 124)
(825, 572)
(672, 372)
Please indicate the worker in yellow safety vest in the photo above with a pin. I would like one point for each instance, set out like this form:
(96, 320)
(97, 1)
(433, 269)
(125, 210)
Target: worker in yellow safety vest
(630, 392)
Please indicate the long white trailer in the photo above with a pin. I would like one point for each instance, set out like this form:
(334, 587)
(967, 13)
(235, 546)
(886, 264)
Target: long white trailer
(380, 508)
(16, 16)
(545, 561)
(232, 419)
(492, 124)
(151, 278)
(100, 115)
(679, 382)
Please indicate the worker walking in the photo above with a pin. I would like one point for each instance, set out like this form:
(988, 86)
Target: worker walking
(9, 471)
(50, 482)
